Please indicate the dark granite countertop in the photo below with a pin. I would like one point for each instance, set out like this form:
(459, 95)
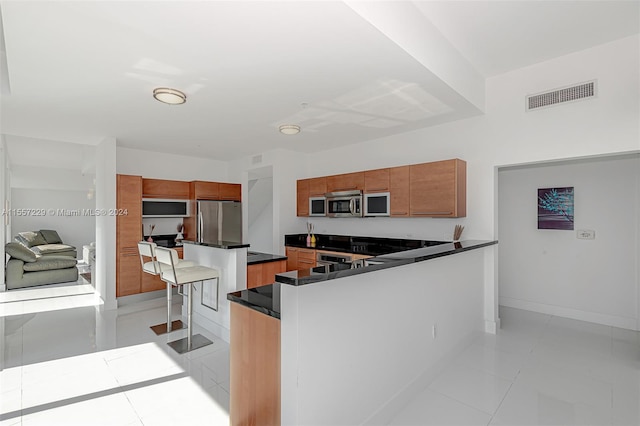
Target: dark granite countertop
(218, 244)
(255, 257)
(331, 272)
(265, 299)
(369, 246)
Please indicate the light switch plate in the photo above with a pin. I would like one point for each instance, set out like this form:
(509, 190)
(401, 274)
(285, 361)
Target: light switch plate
(586, 234)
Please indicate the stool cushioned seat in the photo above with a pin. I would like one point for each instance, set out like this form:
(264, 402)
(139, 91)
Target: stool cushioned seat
(154, 266)
(189, 274)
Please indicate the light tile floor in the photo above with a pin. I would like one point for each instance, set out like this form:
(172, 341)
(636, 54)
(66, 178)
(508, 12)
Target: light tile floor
(539, 370)
(81, 366)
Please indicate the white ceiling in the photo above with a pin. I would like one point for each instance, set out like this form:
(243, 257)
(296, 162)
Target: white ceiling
(82, 71)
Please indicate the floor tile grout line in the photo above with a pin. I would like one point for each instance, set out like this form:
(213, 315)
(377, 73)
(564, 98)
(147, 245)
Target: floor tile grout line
(457, 400)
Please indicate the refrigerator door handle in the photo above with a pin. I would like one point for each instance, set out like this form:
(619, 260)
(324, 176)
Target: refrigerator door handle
(199, 226)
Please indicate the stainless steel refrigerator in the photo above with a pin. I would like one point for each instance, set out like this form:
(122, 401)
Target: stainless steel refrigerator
(219, 221)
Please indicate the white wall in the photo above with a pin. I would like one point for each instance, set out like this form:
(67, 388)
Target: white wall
(74, 230)
(159, 165)
(552, 271)
(260, 214)
(106, 225)
(356, 349)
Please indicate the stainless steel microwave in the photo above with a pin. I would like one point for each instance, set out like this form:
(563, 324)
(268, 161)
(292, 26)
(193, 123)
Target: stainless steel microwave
(344, 204)
(377, 204)
(317, 206)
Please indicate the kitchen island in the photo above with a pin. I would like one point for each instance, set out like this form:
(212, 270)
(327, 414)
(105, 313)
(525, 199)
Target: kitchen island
(211, 308)
(379, 331)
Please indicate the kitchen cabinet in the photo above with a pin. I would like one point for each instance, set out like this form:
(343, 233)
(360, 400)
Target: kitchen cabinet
(300, 258)
(438, 189)
(161, 188)
(230, 191)
(128, 233)
(254, 367)
(345, 182)
(399, 191)
(302, 197)
(317, 187)
(200, 190)
(376, 180)
(264, 273)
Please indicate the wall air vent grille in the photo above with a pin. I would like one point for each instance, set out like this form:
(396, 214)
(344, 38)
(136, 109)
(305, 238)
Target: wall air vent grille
(256, 159)
(566, 94)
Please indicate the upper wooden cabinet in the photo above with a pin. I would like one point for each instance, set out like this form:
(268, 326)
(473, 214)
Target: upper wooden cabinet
(317, 187)
(399, 190)
(230, 191)
(345, 182)
(302, 197)
(376, 180)
(161, 188)
(201, 190)
(129, 198)
(438, 189)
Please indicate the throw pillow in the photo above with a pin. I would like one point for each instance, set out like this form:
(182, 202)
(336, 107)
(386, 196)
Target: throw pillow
(51, 236)
(32, 238)
(19, 251)
(48, 263)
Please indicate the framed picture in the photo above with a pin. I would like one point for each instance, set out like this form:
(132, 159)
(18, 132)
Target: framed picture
(555, 208)
(209, 294)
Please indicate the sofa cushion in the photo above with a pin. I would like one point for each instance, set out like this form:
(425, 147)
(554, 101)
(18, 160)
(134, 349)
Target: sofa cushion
(52, 248)
(30, 238)
(49, 263)
(19, 251)
(51, 236)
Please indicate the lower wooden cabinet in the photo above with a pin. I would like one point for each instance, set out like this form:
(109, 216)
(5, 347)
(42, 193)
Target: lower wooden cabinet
(300, 258)
(128, 272)
(254, 358)
(264, 273)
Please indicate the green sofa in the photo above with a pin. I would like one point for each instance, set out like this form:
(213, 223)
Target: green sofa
(46, 242)
(34, 261)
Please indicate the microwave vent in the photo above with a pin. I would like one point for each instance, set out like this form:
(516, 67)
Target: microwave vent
(562, 95)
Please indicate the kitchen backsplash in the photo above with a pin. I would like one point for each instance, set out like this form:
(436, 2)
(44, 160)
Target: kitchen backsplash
(164, 225)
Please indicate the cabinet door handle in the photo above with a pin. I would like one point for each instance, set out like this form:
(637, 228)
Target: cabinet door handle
(306, 261)
(399, 213)
(345, 189)
(439, 213)
(377, 189)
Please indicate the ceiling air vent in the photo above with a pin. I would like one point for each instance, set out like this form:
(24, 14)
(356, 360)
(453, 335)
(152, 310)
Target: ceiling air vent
(565, 94)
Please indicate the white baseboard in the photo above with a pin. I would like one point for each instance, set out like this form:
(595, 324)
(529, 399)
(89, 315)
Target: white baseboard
(492, 327)
(561, 311)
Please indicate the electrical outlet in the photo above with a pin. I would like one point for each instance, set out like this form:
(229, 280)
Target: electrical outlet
(434, 331)
(586, 234)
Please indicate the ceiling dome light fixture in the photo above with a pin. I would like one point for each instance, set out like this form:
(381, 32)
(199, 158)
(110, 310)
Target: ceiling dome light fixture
(289, 129)
(169, 96)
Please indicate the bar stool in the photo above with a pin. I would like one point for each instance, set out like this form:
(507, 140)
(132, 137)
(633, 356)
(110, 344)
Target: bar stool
(185, 277)
(152, 267)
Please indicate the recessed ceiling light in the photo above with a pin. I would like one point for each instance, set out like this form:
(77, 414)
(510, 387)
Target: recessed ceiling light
(289, 129)
(169, 96)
